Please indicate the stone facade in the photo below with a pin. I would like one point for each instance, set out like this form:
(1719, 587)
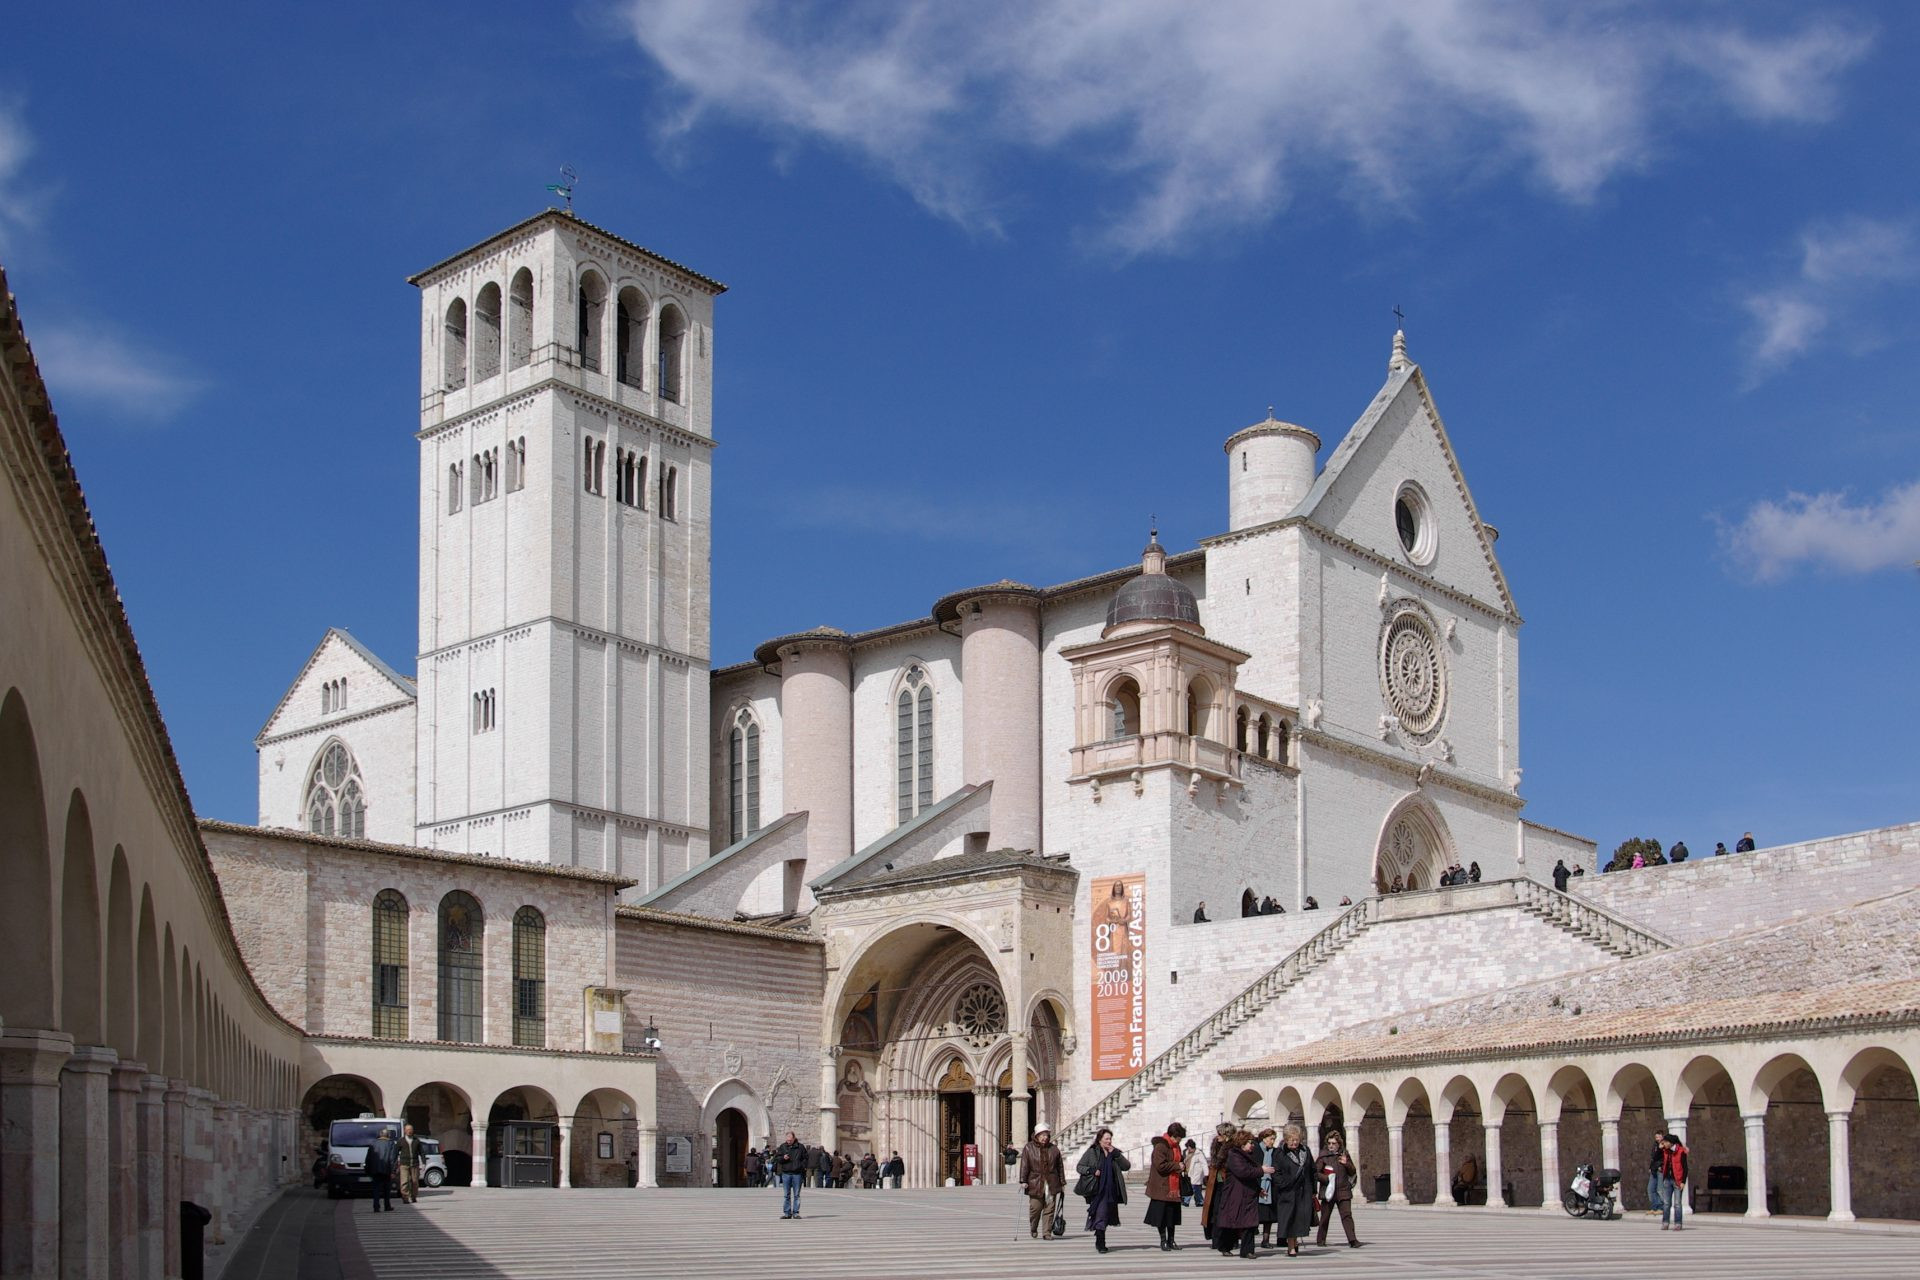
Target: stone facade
(737, 1011)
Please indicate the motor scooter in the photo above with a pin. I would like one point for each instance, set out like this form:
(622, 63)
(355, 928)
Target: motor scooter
(1590, 1194)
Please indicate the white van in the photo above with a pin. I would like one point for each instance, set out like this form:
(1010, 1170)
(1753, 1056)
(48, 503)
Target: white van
(347, 1143)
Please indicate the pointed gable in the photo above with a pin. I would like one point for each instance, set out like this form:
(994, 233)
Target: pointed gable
(370, 684)
(1400, 441)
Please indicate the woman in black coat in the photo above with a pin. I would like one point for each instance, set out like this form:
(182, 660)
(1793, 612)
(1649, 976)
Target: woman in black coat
(1293, 1189)
(1236, 1215)
(1103, 1184)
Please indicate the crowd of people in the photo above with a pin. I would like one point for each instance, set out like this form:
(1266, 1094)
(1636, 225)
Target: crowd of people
(1252, 1190)
(793, 1165)
(1631, 855)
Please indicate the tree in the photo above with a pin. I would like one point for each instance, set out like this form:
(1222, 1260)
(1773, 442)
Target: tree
(1646, 847)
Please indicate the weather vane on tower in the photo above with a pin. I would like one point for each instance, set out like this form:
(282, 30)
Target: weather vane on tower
(564, 188)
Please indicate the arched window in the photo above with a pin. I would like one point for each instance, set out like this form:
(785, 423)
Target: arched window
(336, 798)
(456, 473)
(486, 332)
(453, 348)
(1240, 730)
(529, 979)
(670, 493)
(588, 336)
(476, 481)
(743, 778)
(640, 484)
(1123, 709)
(1281, 737)
(593, 474)
(520, 319)
(1200, 709)
(1249, 905)
(630, 337)
(353, 811)
(462, 939)
(390, 965)
(516, 464)
(673, 334)
(1263, 735)
(913, 744)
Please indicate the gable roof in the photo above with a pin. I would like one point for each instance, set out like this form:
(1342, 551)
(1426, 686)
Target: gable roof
(1401, 378)
(400, 682)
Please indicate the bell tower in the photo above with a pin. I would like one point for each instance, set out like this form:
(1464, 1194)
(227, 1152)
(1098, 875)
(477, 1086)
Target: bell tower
(566, 438)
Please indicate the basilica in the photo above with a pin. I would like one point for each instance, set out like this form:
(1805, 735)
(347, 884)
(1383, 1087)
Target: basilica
(1318, 701)
(590, 909)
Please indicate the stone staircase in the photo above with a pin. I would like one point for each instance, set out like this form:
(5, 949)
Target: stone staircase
(1603, 930)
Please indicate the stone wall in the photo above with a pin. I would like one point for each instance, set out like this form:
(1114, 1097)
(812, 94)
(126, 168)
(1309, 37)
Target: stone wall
(1708, 897)
(322, 978)
(1391, 968)
(738, 1010)
(1872, 942)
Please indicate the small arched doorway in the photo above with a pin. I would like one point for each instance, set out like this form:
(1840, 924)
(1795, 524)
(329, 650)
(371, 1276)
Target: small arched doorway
(956, 1119)
(730, 1149)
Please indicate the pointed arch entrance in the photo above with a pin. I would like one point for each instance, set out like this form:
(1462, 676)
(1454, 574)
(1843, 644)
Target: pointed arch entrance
(1414, 846)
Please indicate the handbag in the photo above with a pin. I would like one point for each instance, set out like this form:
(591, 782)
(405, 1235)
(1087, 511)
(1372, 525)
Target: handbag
(1059, 1224)
(1088, 1184)
(1186, 1187)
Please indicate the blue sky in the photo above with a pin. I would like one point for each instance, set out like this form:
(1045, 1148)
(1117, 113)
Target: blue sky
(1004, 277)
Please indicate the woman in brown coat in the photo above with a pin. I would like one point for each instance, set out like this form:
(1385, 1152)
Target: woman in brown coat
(1236, 1214)
(1164, 1169)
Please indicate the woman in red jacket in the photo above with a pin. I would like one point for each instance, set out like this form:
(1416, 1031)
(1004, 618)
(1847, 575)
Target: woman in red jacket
(1164, 1170)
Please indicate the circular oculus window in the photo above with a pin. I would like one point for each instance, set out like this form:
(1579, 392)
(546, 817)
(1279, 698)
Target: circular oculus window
(1413, 672)
(1413, 521)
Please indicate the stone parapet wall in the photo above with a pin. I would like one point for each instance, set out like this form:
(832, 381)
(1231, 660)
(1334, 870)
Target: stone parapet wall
(1709, 897)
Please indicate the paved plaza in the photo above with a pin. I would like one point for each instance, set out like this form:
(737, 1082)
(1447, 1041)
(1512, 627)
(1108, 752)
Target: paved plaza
(859, 1235)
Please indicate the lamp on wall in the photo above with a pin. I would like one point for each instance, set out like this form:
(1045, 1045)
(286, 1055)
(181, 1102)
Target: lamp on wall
(651, 1036)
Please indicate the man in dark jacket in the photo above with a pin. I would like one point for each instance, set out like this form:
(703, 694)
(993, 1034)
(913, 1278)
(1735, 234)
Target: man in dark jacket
(1744, 844)
(822, 1167)
(896, 1169)
(789, 1163)
(383, 1157)
(1043, 1175)
(1561, 875)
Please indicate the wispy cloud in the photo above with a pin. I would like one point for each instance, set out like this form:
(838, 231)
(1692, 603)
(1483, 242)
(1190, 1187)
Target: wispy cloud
(88, 364)
(1843, 267)
(891, 512)
(1213, 115)
(1827, 531)
(20, 204)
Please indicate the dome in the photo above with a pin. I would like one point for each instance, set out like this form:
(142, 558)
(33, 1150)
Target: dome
(1153, 596)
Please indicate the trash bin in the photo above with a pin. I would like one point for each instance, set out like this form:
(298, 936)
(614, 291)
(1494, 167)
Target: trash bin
(1382, 1187)
(193, 1240)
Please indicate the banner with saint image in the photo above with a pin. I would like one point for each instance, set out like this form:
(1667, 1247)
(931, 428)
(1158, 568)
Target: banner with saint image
(1119, 917)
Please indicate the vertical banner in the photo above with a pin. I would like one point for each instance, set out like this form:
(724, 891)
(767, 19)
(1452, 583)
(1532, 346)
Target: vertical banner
(1119, 975)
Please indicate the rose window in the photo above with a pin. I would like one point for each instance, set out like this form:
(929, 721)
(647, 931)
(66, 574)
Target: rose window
(981, 1014)
(1412, 672)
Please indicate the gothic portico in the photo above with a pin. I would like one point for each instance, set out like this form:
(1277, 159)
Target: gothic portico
(947, 1020)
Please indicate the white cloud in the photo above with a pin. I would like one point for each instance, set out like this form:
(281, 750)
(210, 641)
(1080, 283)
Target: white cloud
(1215, 114)
(85, 363)
(1828, 531)
(19, 204)
(1843, 267)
